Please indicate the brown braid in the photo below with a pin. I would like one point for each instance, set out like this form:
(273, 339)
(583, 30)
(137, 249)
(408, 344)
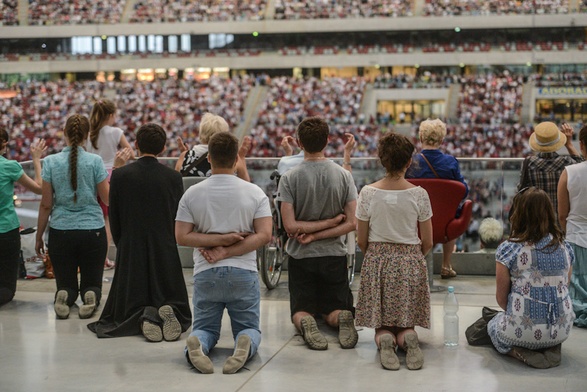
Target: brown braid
(76, 130)
(98, 117)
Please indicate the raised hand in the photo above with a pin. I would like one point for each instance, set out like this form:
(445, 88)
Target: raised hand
(350, 144)
(245, 147)
(121, 157)
(286, 144)
(568, 130)
(181, 145)
(38, 149)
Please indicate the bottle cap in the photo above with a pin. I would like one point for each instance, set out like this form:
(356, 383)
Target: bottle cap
(451, 289)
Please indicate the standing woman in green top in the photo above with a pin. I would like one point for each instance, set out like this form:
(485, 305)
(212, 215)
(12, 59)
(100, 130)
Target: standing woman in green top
(72, 180)
(11, 172)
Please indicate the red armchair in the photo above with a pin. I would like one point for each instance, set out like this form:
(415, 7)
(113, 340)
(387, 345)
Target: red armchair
(445, 197)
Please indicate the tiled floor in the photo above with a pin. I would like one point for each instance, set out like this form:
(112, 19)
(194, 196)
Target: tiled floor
(40, 353)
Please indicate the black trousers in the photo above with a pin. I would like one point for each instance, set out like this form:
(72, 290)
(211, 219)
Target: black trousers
(9, 258)
(83, 249)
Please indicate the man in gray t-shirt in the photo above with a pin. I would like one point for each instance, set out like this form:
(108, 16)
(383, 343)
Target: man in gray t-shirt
(318, 200)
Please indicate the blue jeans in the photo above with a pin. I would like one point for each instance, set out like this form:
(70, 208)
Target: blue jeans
(232, 288)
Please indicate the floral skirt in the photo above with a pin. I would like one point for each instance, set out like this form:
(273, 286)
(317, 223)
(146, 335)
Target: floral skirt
(394, 287)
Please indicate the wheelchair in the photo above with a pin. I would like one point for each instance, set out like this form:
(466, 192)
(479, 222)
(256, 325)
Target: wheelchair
(272, 257)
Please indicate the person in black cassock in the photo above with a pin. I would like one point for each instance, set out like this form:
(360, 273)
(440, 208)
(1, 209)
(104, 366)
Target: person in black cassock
(148, 293)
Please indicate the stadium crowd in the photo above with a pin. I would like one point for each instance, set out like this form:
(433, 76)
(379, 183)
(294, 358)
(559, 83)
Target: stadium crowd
(491, 7)
(52, 12)
(325, 9)
(487, 122)
(153, 11)
(48, 12)
(9, 12)
(38, 109)
(338, 100)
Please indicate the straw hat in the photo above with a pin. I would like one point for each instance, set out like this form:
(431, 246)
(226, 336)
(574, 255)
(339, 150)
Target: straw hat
(547, 137)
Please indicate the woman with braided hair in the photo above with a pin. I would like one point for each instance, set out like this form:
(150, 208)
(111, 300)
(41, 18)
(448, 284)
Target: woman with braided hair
(72, 180)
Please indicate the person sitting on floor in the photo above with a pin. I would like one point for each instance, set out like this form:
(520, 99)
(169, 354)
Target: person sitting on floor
(533, 271)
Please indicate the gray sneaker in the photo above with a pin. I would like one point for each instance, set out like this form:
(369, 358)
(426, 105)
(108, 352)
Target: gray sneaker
(312, 335)
(241, 354)
(347, 333)
(61, 307)
(197, 357)
(387, 346)
(151, 331)
(171, 326)
(414, 356)
(89, 306)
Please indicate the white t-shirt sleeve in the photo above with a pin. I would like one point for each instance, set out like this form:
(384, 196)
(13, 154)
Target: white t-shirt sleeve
(183, 212)
(263, 208)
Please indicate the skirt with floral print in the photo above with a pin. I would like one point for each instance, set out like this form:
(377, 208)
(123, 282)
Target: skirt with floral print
(394, 288)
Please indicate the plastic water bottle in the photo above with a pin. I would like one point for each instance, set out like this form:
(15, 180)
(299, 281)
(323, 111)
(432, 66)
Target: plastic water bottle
(451, 319)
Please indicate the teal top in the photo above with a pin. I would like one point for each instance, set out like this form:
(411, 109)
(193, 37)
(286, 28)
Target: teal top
(10, 172)
(85, 214)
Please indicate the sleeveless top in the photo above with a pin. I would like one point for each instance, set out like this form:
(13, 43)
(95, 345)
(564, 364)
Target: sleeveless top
(577, 219)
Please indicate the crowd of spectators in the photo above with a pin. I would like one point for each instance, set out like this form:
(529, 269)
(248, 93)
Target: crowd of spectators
(39, 109)
(425, 79)
(488, 120)
(328, 9)
(9, 13)
(492, 7)
(48, 12)
(562, 79)
(150, 11)
(487, 123)
(52, 12)
(290, 99)
(303, 51)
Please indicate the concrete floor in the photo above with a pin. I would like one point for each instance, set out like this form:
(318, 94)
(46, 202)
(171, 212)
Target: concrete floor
(40, 353)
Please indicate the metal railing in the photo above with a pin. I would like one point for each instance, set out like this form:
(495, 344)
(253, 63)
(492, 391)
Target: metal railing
(492, 183)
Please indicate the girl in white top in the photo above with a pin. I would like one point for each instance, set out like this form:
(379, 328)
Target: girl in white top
(394, 296)
(104, 141)
(572, 216)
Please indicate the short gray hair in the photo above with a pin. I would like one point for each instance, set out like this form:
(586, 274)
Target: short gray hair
(490, 233)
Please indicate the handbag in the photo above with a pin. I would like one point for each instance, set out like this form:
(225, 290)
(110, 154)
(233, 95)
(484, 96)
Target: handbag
(477, 334)
(33, 264)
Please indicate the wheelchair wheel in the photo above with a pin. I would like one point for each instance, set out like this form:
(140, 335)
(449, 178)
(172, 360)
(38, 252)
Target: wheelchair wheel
(272, 261)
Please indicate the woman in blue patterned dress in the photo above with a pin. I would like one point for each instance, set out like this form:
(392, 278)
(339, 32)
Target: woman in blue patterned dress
(532, 275)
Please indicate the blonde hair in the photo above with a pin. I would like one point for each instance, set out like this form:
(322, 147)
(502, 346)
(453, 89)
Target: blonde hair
(100, 112)
(432, 132)
(210, 125)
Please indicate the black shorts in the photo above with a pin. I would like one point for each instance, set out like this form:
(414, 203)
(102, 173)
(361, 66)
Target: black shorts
(319, 285)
